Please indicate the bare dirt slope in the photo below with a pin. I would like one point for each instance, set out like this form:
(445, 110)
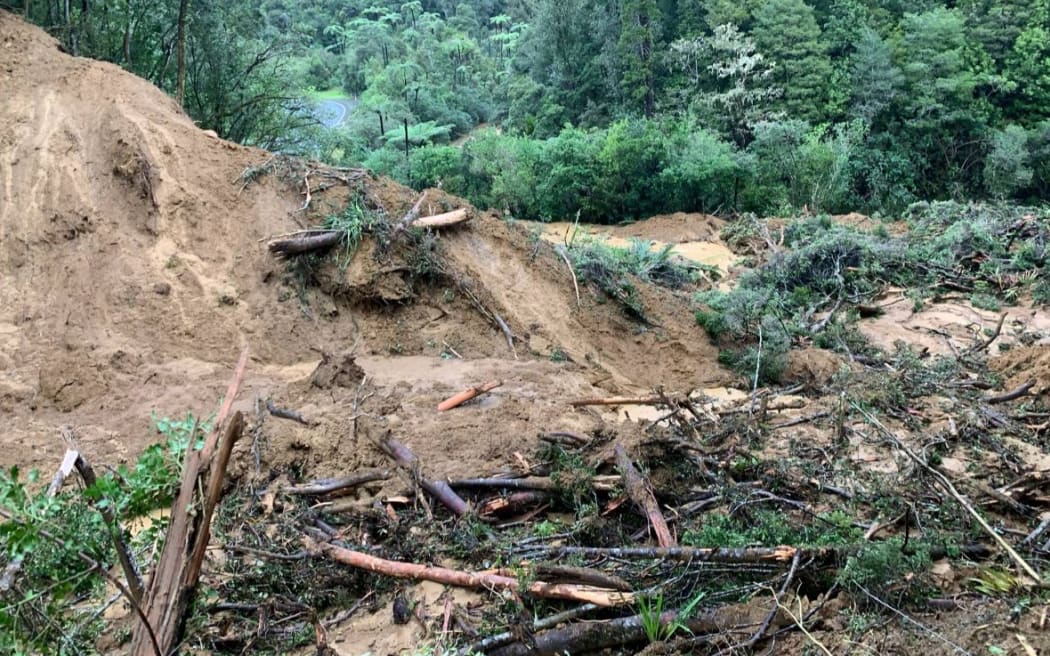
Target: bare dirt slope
(133, 265)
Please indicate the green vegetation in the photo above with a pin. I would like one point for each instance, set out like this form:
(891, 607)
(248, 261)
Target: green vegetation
(48, 532)
(992, 252)
(618, 108)
(612, 268)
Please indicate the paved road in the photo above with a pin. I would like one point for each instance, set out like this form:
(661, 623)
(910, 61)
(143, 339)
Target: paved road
(333, 112)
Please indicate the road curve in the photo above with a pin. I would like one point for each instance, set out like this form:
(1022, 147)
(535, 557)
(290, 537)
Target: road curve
(333, 112)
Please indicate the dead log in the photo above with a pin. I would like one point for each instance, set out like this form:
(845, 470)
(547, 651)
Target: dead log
(309, 242)
(331, 485)
(408, 218)
(440, 490)
(468, 394)
(1016, 393)
(174, 580)
(655, 399)
(452, 218)
(641, 493)
(584, 637)
(124, 555)
(417, 572)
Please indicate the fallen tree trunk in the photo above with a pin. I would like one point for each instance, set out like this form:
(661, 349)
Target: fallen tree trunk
(310, 242)
(452, 218)
(440, 490)
(174, 579)
(585, 637)
(641, 493)
(416, 572)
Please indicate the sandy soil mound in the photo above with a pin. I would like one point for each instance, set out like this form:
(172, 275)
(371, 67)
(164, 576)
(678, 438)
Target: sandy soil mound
(133, 265)
(1019, 366)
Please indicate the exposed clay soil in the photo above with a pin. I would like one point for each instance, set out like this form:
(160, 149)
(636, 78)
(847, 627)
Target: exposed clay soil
(133, 266)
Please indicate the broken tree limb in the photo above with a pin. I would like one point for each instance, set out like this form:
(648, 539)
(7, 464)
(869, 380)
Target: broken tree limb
(124, 555)
(513, 502)
(586, 575)
(600, 483)
(330, 485)
(641, 493)
(1016, 393)
(309, 242)
(468, 394)
(281, 413)
(654, 399)
(445, 220)
(506, 333)
(174, 580)
(584, 637)
(408, 218)
(977, 348)
(416, 572)
(561, 250)
(440, 490)
(946, 484)
(781, 554)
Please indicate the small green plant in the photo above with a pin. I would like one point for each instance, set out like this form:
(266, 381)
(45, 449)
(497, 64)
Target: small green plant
(558, 355)
(983, 301)
(610, 269)
(651, 609)
(353, 222)
(880, 566)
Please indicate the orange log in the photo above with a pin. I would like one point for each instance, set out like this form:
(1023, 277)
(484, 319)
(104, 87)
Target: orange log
(467, 395)
(475, 580)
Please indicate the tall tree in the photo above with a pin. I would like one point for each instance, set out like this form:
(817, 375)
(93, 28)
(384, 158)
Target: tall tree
(786, 31)
(725, 81)
(638, 34)
(180, 52)
(875, 79)
(1028, 67)
(946, 120)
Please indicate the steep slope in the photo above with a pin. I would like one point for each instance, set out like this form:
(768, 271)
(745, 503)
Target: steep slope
(133, 265)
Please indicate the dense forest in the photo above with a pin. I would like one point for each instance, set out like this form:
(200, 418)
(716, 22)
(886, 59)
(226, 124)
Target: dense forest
(615, 109)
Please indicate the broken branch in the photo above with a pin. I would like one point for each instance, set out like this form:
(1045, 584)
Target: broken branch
(1015, 393)
(330, 485)
(641, 493)
(414, 571)
(468, 394)
(440, 490)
